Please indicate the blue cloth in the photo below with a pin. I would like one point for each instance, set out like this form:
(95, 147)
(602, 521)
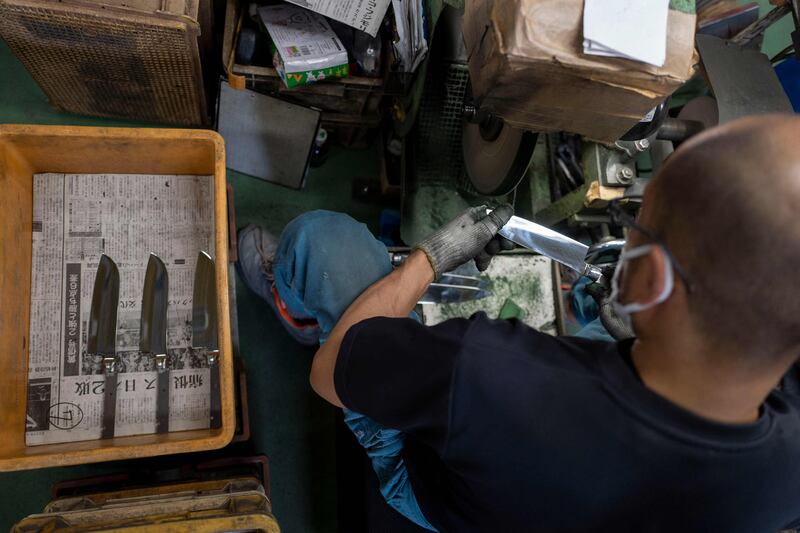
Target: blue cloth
(587, 312)
(256, 250)
(595, 331)
(789, 74)
(324, 261)
(584, 307)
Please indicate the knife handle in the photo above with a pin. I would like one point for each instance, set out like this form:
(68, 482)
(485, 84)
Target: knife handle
(109, 398)
(215, 401)
(162, 395)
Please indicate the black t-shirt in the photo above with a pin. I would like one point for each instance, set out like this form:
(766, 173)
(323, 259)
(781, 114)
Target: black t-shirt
(511, 430)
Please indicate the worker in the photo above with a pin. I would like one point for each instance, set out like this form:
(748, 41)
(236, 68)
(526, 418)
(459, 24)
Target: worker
(488, 425)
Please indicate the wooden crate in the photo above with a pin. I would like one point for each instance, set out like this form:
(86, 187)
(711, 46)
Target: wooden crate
(121, 60)
(186, 8)
(27, 150)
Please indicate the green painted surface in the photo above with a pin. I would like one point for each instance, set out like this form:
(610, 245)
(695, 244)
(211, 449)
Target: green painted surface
(686, 6)
(511, 310)
(778, 36)
(288, 422)
(564, 208)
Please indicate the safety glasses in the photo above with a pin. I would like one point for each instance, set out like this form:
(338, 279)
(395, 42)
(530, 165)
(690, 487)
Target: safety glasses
(621, 217)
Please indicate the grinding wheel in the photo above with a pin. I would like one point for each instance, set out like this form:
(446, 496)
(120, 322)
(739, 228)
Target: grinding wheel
(496, 155)
(702, 109)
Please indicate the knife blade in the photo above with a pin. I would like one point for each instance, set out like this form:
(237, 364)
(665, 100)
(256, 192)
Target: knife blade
(204, 329)
(552, 244)
(102, 336)
(438, 294)
(153, 333)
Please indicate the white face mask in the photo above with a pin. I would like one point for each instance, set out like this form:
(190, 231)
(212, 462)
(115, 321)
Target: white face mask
(624, 311)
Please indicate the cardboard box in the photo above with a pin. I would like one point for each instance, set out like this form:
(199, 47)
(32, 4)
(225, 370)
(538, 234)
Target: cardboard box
(306, 48)
(527, 64)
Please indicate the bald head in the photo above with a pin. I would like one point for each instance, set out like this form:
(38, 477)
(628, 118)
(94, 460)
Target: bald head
(727, 203)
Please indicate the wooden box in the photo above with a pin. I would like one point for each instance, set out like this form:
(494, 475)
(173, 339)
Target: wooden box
(28, 150)
(113, 58)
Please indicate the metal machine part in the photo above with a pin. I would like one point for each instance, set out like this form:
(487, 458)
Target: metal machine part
(436, 146)
(701, 109)
(649, 123)
(153, 333)
(613, 166)
(676, 129)
(204, 329)
(743, 80)
(266, 137)
(757, 29)
(102, 336)
(605, 253)
(451, 287)
(496, 155)
(455, 288)
(552, 244)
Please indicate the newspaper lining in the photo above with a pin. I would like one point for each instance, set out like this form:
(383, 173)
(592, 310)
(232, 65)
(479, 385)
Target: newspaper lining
(364, 15)
(76, 218)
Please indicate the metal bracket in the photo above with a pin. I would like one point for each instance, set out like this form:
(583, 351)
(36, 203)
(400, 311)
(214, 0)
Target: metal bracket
(593, 272)
(212, 357)
(161, 362)
(110, 365)
(612, 166)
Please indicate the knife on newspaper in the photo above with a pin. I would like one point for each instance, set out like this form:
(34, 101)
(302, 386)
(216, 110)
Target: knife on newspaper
(153, 333)
(102, 336)
(552, 244)
(204, 329)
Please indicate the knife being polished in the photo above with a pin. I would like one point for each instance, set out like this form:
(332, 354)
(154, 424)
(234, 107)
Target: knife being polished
(552, 244)
(153, 333)
(204, 329)
(102, 336)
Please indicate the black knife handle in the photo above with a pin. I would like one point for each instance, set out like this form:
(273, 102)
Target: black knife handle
(162, 402)
(215, 403)
(109, 406)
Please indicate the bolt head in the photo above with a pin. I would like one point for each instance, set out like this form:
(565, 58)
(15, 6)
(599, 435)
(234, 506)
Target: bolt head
(470, 111)
(624, 175)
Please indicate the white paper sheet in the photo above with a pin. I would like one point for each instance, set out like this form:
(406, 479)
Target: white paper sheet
(364, 15)
(631, 29)
(411, 45)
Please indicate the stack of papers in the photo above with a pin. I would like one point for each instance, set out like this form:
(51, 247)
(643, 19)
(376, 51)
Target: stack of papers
(631, 29)
(364, 15)
(411, 45)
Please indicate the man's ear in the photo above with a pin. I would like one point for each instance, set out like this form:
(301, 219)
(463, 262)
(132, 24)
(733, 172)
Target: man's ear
(653, 270)
(646, 276)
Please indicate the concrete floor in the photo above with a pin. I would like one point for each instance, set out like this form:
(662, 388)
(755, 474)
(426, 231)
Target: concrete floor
(288, 422)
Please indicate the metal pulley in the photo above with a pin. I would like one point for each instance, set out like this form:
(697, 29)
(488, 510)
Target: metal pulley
(496, 155)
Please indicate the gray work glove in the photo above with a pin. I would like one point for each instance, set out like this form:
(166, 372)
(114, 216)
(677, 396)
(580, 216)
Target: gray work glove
(615, 326)
(472, 235)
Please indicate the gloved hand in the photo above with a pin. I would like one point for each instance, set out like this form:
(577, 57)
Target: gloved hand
(614, 324)
(472, 235)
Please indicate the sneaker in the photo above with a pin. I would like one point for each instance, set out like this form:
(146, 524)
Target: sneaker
(256, 249)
